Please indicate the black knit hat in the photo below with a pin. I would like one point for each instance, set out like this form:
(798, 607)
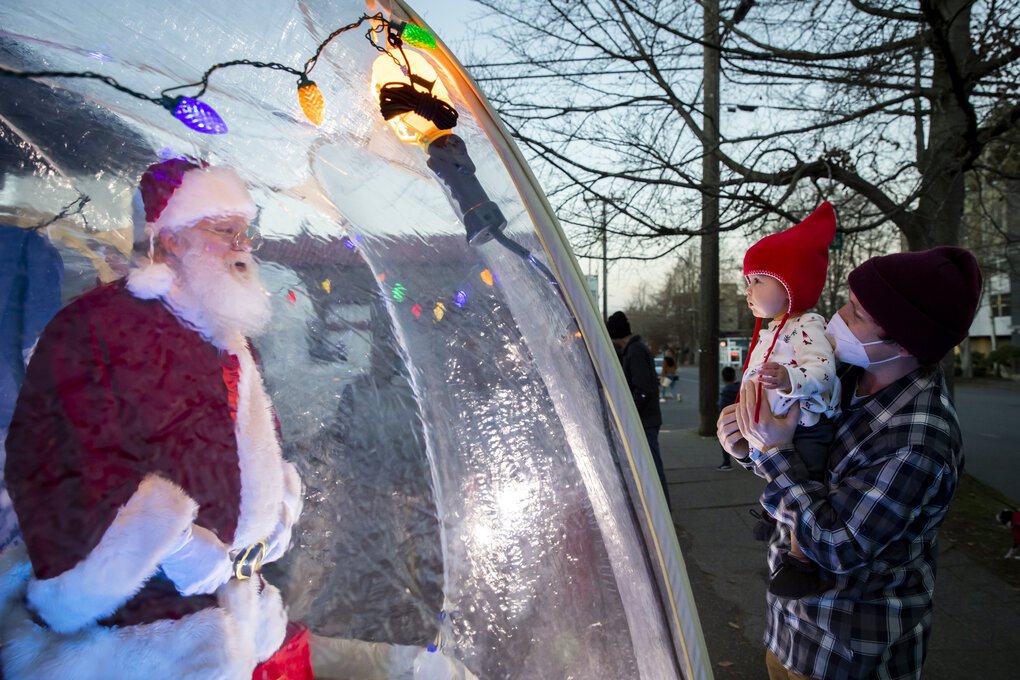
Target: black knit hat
(925, 301)
(618, 325)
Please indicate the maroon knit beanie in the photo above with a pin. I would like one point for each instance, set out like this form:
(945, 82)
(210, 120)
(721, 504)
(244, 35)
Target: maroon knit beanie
(925, 301)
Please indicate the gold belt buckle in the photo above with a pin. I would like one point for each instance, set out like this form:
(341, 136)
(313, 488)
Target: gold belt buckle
(248, 561)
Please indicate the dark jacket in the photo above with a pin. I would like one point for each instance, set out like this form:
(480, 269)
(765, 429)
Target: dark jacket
(639, 369)
(728, 394)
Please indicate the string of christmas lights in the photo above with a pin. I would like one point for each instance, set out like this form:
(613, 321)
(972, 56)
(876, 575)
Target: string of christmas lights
(411, 95)
(201, 117)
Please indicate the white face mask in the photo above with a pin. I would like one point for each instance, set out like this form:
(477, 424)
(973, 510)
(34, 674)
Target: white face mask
(849, 349)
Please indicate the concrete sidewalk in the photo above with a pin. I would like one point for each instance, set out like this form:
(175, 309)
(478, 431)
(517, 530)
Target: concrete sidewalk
(977, 616)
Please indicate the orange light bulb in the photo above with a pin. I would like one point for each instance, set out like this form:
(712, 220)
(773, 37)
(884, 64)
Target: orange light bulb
(311, 100)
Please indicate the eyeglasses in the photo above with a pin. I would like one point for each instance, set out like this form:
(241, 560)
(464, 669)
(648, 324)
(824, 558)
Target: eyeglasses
(248, 240)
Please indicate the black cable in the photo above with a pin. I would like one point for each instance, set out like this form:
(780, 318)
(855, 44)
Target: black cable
(204, 82)
(527, 256)
(310, 64)
(77, 204)
(399, 98)
(79, 74)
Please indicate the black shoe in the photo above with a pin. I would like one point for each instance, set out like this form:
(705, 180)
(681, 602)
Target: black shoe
(765, 527)
(796, 579)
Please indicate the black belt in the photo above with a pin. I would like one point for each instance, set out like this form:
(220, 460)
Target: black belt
(248, 561)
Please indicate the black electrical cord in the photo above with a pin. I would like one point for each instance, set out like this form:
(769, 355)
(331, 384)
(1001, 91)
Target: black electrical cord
(203, 84)
(396, 99)
(527, 256)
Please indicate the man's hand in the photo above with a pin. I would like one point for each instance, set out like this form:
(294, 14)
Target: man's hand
(773, 376)
(279, 540)
(728, 432)
(769, 431)
(201, 565)
(290, 511)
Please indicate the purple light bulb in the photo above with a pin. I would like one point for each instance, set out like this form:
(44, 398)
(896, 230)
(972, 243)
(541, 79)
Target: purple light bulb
(196, 114)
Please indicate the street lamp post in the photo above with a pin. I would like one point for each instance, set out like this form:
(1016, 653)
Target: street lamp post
(605, 266)
(604, 229)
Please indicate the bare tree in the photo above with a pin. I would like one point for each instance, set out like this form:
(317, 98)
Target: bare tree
(670, 314)
(887, 100)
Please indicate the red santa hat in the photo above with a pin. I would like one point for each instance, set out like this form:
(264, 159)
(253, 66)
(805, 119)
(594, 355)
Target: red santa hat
(178, 193)
(797, 257)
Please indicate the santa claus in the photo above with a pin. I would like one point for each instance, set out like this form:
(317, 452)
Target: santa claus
(144, 463)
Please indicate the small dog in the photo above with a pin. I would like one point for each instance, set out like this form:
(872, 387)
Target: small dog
(1011, 519)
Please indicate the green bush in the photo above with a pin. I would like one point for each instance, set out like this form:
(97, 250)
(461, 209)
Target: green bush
(1006, 356)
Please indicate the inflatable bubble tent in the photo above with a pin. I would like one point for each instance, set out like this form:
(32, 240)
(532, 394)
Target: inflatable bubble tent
(479, 500)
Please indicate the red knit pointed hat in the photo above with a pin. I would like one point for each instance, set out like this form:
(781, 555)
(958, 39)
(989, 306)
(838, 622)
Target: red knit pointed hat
(798, 257)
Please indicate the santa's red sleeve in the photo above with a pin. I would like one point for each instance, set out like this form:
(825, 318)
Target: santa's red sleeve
(95, 522)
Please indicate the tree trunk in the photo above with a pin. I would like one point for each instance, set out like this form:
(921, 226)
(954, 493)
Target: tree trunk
(950, 132)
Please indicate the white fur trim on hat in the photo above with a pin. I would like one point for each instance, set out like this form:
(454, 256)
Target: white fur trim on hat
(205, 192)
(151, 280)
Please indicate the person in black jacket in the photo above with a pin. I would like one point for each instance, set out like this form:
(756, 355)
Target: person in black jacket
(727, 395)
(643, 380)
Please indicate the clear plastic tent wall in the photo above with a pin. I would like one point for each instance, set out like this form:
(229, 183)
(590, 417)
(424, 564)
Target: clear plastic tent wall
(479, 498)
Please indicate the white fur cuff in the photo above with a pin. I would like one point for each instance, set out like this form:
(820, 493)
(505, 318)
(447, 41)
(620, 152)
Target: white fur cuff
(150, 526)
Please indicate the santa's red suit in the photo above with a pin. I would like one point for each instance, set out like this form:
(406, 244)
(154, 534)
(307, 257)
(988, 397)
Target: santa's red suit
(131, 434)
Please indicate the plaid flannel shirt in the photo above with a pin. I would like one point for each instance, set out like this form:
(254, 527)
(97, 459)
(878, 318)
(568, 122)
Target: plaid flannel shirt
(893, 470)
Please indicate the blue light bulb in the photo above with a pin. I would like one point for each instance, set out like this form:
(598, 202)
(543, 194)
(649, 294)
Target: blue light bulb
(196, 114)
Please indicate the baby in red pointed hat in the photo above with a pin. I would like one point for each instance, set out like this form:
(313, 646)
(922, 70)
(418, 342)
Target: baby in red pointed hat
(791, 359)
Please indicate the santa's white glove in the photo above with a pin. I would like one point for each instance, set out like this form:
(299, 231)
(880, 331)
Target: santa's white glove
(290, 511)
(201, 565)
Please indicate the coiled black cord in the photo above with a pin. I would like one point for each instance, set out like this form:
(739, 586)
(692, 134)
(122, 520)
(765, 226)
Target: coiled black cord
(399, 98)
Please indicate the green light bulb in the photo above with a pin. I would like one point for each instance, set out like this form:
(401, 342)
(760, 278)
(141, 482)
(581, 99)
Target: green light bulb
(416, 36)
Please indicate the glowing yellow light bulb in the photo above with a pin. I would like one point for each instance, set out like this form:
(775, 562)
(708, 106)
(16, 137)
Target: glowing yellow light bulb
(410, 127)
(439, 311)
(311, 100)
(487, 277)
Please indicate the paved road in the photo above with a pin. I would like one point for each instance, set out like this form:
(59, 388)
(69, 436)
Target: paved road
(990, 419)
(989, 416)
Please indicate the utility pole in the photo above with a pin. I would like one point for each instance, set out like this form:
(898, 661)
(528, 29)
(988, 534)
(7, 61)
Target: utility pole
(604, 227)
(1013, 262)
(708, 345)
(605, 266)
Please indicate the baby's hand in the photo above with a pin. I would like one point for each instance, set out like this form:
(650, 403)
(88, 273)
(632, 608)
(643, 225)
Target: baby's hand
(774, 376)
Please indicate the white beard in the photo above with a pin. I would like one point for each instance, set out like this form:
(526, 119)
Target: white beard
(221, 301)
